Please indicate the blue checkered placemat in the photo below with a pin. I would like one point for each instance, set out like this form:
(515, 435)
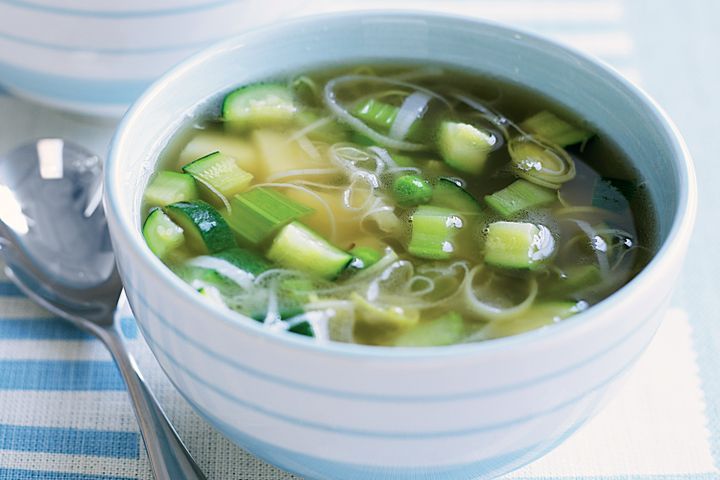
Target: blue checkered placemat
(64, 414)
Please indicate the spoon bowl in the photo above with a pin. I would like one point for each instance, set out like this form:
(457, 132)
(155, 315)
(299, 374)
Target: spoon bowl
(56, 247)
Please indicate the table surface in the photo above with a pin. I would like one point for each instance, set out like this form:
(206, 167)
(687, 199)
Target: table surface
(63, 411)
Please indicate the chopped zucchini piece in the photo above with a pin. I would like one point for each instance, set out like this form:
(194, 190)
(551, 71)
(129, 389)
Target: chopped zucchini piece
(434, 230)
(219, 173)
(518, 245)
(161, 234)
(411, 190)
(449, 194)
(169, 187)
(303, 328)
(465, 147)
(366, 255)
(519, 196)
(539, 315)
(207, 141)
(259, 212)
(259, 105)
(554, 129)
(444, 330)
(245, 260)
(389, 318)
(299, 248)
(205, 229)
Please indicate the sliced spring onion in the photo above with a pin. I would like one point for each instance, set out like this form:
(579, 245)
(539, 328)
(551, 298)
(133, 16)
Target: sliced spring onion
(490, 308)
(376, 113)
(220, 173)
(465, 147)
(412, 109)
(299, 248)
(434, 230)
(411, 190)
(519, 196)
(169, 187)
(540, 162)
(518, 245)
(162, 234)
(332, 102)
(554, 129)
(259, 212)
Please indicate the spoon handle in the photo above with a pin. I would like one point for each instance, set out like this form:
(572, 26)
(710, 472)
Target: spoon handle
(169, 458)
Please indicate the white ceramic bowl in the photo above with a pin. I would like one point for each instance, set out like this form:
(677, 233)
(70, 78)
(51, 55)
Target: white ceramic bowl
(97, 57)
(354, 412)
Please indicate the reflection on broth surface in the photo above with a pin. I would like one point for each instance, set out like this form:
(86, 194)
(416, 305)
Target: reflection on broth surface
(406, 206)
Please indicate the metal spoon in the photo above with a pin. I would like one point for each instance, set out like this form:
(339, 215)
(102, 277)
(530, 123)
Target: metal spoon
(55, 243)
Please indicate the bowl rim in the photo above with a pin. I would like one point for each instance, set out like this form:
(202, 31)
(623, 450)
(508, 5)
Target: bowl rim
(671, 247)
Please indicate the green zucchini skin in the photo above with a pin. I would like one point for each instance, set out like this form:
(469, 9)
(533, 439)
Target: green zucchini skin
(206, 231)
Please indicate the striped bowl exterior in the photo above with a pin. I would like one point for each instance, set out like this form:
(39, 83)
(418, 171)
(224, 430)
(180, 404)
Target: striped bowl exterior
(353, 412)
(97, 57)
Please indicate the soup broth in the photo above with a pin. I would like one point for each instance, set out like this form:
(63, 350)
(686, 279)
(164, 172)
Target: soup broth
(397, 205)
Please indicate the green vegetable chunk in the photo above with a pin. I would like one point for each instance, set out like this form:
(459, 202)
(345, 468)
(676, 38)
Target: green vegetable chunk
(219, 174)
(205, 229)
(434, 230)
(170, 187)
(519, 196)
(554, 129)
(518, 245)
(387, 318)
(445, 330)
(411, 190)
(376, 113)
(367, 255)
(161, 234)
(259, 105)
(449, 194)
(244, 259)
(259, 212)
(299, 248)
(465, 147)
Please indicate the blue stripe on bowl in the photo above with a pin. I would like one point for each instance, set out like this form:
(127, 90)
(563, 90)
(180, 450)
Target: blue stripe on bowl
(315, 467)
(40, 329)
(73, 89)
(353, 432)
(60, 375)
(29, 5)
(293, 384)
(189, 47)
(69, 441)
(20, 474)
(8, 289)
